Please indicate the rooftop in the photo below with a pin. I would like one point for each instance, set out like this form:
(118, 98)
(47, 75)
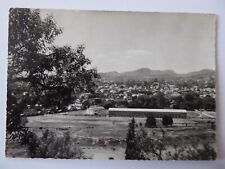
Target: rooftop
(148, 110)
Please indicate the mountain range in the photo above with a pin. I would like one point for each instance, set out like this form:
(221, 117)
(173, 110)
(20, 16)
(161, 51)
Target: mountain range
(148, 74)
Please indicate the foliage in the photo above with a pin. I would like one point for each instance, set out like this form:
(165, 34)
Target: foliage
(188, 101)
(150, 122)
(159, 147)
(51, 146)
(157, 101)
(141, 138)
(209, 103)
(192, 101)
(147, 148)
(167, 120)
(109, 104)
(29, 37)
(131, 152)
(177, 102)
(66, 74)
(156, 147)
(38, 72)
(85, 104)
(14, 110)
(193, 152)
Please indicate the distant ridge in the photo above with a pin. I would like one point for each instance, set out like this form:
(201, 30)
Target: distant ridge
(148, 74)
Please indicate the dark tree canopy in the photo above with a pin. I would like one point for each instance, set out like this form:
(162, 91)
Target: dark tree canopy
(38, 71)
(30, 38)
(150, 122)
(167, 120)
(158, 101)
(131, 152)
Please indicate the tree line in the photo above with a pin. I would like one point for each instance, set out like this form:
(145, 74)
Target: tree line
(189, 101)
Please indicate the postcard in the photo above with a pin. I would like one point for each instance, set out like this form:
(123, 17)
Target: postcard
(111, 85)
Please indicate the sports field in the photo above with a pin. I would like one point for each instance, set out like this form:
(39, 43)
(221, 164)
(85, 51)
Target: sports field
(104, 137)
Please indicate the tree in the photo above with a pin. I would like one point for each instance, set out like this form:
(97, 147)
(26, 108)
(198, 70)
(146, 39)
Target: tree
(149, 148)
(48, 75)
(131, 152)
(150, 122)
(162, 101)
(27, 40)
(109, 104)
(141, 139)
(209, 103)
(177, 102)
(156, 101)
(156, 147)
(30, 38)
(167, 120)
(85, 104)
(191, 101)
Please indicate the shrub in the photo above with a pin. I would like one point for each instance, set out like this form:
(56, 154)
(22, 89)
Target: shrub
(167, 120)
(150, 122)
(163, 148)
(109, 104)
(51, 146)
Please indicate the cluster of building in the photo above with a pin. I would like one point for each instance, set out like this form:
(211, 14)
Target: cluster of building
(114, 91)
(119, 91)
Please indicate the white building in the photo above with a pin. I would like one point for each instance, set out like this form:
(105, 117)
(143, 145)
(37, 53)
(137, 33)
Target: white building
(96, 110)
(139, 112)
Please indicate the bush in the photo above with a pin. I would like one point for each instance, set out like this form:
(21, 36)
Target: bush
(161, 147)
(167, 120)
(109, 104)
(51, 146)
(85, 104)
(150, 122)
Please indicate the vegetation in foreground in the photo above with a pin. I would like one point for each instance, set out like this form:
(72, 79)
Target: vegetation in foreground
(108, 145)
(51, 146)
(141, 146)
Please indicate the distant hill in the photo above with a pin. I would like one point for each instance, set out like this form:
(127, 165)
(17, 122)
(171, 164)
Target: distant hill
(148, 74)
(201, 73)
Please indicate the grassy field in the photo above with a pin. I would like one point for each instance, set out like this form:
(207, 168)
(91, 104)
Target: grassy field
(90, 126)
(104, 137)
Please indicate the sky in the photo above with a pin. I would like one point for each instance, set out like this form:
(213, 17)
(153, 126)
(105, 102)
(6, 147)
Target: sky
(126, 41)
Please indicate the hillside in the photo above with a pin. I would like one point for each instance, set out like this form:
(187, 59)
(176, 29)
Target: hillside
(148, 74)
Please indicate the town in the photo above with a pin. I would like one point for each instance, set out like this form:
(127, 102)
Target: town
(173, 94)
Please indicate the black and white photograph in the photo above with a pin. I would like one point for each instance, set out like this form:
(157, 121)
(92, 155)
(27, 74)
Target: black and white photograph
(111, 85)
